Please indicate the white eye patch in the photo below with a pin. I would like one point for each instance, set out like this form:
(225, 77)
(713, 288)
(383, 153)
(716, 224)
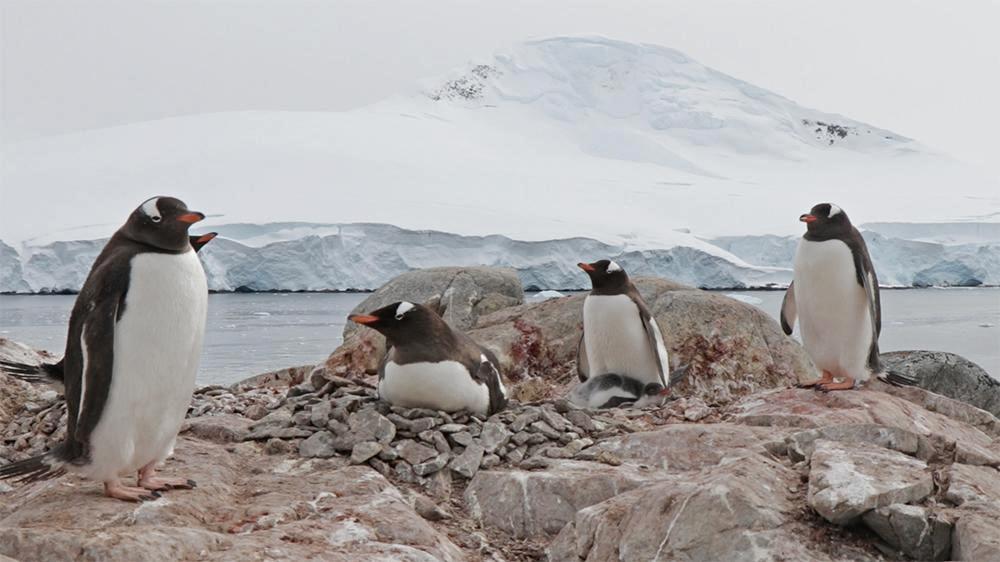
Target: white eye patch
(834, 210)
(151, 209)
(402, 309)
(613, 267)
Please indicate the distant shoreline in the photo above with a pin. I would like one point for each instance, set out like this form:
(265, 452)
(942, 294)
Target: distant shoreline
(574, 290)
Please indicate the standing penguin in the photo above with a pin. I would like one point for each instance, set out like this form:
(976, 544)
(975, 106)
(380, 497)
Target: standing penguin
(429, 365)
(53, 372)
(620, 336)
(133, 348)
(835, 294)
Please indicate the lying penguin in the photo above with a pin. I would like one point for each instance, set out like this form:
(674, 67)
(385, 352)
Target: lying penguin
(132, 351)
(52, 373)
(429, 365)
(621, 355)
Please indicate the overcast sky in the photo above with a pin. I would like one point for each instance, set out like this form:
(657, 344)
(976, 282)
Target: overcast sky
(928, 70)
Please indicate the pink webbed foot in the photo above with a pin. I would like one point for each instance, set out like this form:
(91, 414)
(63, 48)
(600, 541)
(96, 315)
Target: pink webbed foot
(147, 479)
(115, 489)
(846, 384)
(826, 379)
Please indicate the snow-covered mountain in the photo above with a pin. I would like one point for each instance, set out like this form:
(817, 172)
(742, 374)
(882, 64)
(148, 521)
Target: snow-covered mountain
(559, 150)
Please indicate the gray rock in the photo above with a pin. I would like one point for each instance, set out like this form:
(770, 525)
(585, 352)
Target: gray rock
(489, 461)
(913, 529)
(320, 444)
(422, 424)
(524, 419)
(320, 414)
(540, 427)
(219, 429)
(413, 452)
(846, 480)
(493, 435)
(554, 420)
(462, 438)
(368, 424)
(949, 375)
(977, 535)
(364, 451)
(801, 444)
(736, 511)
(581, 420)
(539, 504)
(429, 510)
(461, 294)
(451, 428)
(266, 427)
(467, 463)
(433, 465)
(972, 483)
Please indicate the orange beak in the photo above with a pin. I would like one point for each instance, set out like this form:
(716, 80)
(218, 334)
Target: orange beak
(585, 266)
(808, 218)
(206, 238)
(192, 217)
(364, 319)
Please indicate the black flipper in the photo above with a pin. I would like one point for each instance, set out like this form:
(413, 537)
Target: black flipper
(34, 469)
(489, 374)
(789, 311)
(582, 367)
(41, 373)
(897, 378)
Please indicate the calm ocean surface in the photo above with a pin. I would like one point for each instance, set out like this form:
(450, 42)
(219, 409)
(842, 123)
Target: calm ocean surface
(250, 334)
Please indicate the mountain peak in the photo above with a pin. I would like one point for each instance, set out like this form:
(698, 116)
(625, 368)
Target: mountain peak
(652, 90)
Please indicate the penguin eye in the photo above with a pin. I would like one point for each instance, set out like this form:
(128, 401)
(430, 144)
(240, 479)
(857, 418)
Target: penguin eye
(399, 317)
(156, 218)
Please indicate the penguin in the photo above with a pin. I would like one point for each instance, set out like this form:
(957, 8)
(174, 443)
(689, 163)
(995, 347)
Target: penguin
(132, 351)
(835, 296)
(620, 336)
(52, 373)
(429, 365)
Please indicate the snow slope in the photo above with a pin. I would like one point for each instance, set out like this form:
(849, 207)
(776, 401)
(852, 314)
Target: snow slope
(633, 146)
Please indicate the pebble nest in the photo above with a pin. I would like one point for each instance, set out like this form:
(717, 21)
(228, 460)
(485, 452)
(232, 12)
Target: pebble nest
(331, 416)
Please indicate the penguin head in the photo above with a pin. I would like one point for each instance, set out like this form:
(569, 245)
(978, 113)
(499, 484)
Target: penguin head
(605, 274)
(826, 220)
(162, 222)
(401, 322)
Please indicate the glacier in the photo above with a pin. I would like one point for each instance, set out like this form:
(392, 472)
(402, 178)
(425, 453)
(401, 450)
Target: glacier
(360, 257)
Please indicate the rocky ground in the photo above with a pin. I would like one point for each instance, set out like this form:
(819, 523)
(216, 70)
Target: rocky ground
(306, 464)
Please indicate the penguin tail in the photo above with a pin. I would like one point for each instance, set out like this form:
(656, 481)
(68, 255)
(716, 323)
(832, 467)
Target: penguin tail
(41, 373)
(678, 375)
(897, 378)
(35, 469)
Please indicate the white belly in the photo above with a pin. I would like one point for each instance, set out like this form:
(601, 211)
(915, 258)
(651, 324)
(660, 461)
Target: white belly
(616, 340)
(157, 349)
(445, 385)
(833, 309)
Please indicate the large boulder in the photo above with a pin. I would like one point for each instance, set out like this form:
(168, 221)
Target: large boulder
(848, 480)
(461, 294)
(740, 510)
(732, 348)
(949, 375)
(247, 506)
